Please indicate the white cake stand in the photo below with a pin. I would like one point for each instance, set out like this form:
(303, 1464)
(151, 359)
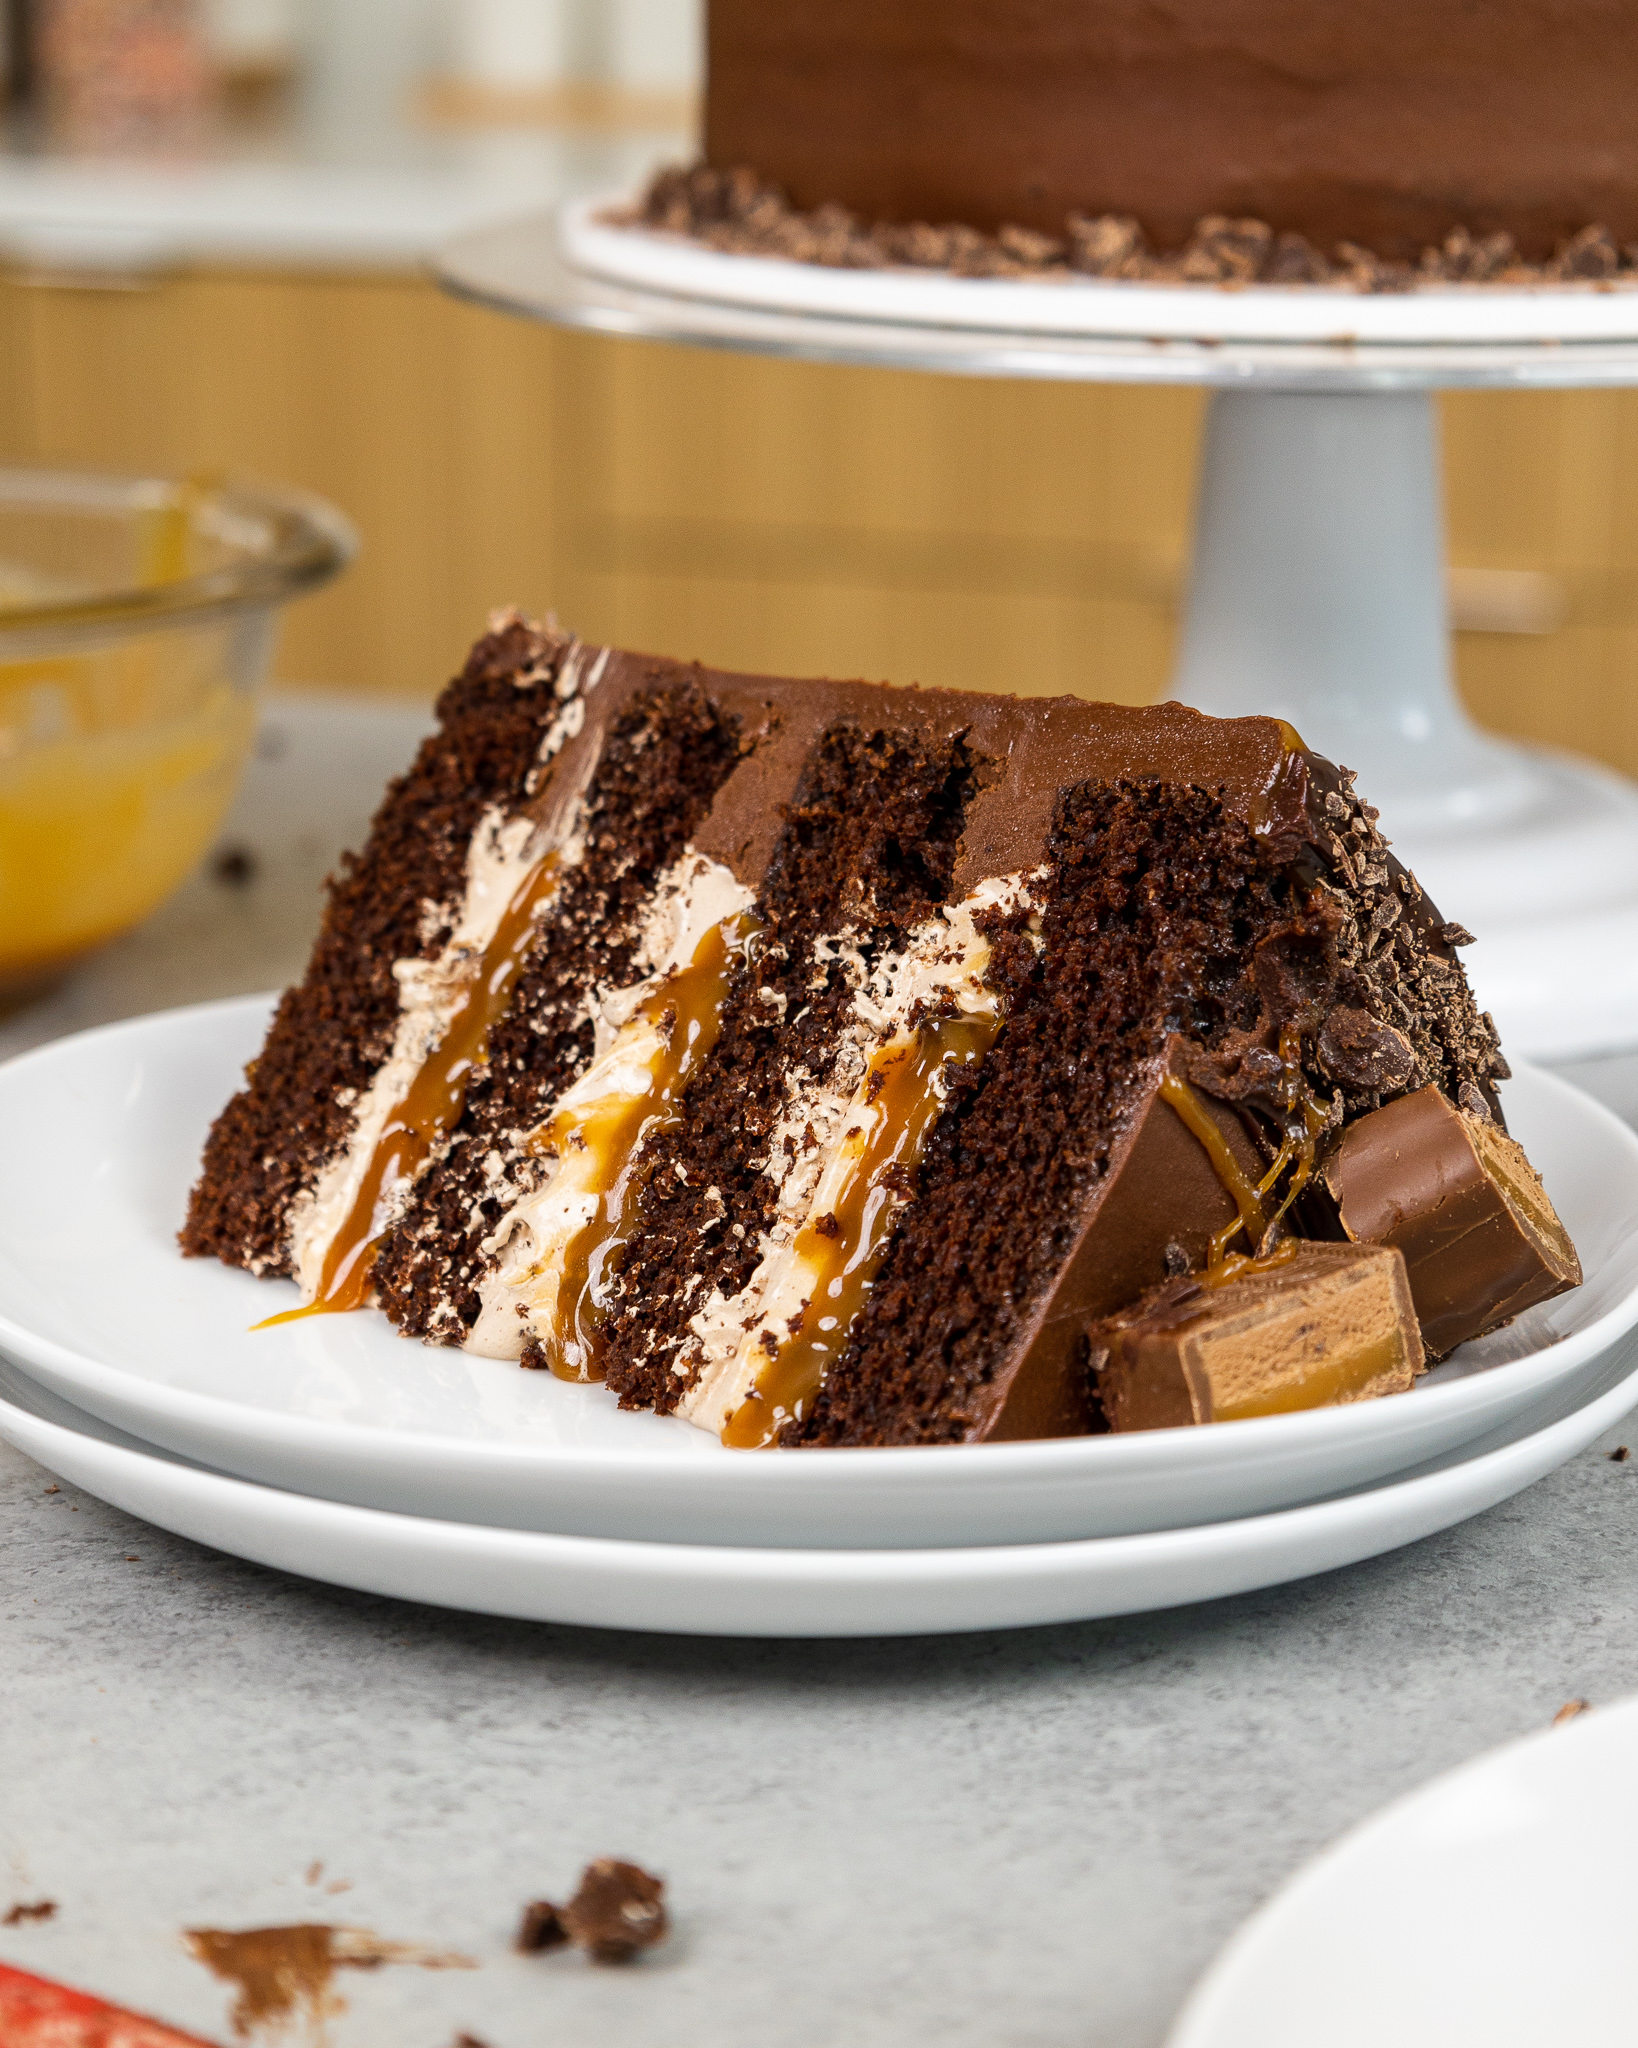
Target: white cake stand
(1318, 589)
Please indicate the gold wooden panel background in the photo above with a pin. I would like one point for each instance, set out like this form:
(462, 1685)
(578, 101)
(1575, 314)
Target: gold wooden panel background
(773, 515)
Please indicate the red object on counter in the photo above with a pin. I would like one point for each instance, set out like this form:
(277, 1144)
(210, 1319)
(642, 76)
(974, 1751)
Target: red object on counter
(35, 2013)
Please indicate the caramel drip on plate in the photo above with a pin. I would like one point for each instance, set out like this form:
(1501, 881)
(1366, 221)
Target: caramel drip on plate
(431, 1106)
(1305, 1117)
(688, 1008)
(844, 1250)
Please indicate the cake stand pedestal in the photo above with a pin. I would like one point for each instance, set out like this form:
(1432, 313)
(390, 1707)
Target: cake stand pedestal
(1318, 583)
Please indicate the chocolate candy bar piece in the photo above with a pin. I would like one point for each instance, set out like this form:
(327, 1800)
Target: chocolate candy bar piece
(1313, 1326)
(1460, 1200)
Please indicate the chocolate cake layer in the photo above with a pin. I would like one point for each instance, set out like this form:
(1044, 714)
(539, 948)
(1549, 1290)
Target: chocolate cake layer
(334, 1029)
(868, 846)
(818, 1060)
(1386, 124)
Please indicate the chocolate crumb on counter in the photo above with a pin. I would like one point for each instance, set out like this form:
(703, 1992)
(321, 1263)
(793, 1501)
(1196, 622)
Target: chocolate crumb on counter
(1619, 1455)
(540, 1928)
(617, 1912)
(234, 867)
(32, 1909)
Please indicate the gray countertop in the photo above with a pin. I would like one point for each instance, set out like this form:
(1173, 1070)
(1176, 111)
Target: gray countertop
(1027, 1839)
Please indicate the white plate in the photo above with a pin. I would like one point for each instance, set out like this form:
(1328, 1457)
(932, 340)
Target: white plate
(96, 1302)
(719, 1589)
(658, 262)
(1496, 1905)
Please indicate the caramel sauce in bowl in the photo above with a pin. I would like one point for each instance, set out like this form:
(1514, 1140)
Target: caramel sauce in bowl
(137, 622)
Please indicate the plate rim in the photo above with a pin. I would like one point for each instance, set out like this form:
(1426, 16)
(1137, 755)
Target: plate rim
(666, 1567)
(1531, 317)
(1200, 2019)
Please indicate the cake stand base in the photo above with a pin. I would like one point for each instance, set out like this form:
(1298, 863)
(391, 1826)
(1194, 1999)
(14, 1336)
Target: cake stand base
(1318, 595)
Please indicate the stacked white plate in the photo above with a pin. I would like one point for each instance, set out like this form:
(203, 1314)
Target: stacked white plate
(332, 1448)
(1524, 1857)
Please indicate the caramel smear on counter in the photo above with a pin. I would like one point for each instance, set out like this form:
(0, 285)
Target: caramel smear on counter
(605, 1138)
(282, 1975)
(842, 1250)
(1305, 1118)
(431, 1106)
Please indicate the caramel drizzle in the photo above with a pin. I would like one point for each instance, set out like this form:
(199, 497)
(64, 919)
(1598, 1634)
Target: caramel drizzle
(1305, 1117)
(431, 1106)
(688, 1009)
(844, 1250)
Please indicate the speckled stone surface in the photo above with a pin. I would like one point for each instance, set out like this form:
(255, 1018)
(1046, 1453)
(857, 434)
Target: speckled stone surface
(1033, 1840)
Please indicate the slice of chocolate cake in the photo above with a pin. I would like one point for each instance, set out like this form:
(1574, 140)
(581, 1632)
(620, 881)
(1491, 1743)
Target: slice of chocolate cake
(818, 1061)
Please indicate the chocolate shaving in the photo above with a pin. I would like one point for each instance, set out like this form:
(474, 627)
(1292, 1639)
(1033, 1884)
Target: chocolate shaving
(34, 1909)
(1469, 1098)
(1394, 968)
(1364, 1054)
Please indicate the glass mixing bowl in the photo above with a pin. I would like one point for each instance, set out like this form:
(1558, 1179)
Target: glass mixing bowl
(137, 620)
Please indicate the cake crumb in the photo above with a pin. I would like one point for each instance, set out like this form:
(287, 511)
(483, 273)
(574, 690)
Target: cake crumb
(617, 1912)
(234, 867)
(540, 1928)
(1619, 1455)
(53, 1489)
(30, 1909)
(1570, 1709)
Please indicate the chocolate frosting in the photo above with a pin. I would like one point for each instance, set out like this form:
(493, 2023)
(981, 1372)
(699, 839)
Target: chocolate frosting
(1388, 123)
(1027, 751)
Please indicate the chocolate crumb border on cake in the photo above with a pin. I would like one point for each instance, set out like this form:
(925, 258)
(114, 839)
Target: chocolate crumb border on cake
(737, 212)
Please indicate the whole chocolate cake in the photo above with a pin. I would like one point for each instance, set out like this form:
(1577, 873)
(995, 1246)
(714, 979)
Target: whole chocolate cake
(827, 1063)
(1385, 126)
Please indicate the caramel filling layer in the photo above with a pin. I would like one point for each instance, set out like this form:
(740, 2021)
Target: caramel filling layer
(598, 1141)
(840, 1250)
(430, 1108)
(1338, 1374)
